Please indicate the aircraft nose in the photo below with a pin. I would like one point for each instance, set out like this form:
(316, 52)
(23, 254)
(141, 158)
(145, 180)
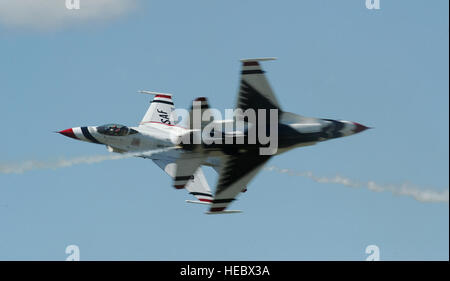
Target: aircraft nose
(68, 133)
(359, 128)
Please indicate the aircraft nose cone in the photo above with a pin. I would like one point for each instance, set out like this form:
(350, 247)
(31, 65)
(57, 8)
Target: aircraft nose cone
(359, 128)
(68, 133)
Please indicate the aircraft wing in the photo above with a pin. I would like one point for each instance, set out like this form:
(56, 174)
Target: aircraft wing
(197, 187)
(236, 172)
(254, 90)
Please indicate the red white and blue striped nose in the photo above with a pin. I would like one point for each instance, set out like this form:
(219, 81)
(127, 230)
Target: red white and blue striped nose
(68, 133)
(81, 133)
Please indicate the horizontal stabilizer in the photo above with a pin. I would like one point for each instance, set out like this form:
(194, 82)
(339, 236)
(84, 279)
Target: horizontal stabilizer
(197, 187)
(186, 166)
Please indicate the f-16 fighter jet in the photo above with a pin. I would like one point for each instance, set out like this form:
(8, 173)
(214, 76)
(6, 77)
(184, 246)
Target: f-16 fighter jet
(236, 148)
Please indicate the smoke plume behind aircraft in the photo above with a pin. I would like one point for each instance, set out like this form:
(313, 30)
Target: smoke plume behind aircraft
(405, 189)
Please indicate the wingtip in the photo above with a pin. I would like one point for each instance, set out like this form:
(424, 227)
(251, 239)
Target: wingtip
(154, 93)
(258, 59)
(198, 202)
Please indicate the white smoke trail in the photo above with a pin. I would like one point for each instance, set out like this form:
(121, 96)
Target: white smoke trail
(406, 189)
(29, 165)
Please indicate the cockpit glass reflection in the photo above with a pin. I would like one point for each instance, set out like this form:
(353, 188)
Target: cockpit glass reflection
(115, 130)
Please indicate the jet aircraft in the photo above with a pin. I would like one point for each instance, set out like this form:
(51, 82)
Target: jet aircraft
(234, 155)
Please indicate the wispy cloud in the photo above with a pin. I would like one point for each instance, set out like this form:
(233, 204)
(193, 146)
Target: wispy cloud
(406, 189)
(53, 14)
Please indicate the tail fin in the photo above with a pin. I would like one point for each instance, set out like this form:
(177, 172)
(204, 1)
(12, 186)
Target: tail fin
(199, 106)
(160, 110)
(189, 161)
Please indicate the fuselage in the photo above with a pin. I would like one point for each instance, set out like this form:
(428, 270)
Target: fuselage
(293, 131)
(119, 138)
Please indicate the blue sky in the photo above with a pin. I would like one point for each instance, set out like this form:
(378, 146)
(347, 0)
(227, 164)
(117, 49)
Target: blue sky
(384, 68)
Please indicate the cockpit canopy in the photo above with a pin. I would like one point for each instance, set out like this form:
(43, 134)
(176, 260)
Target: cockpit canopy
(115, 130)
